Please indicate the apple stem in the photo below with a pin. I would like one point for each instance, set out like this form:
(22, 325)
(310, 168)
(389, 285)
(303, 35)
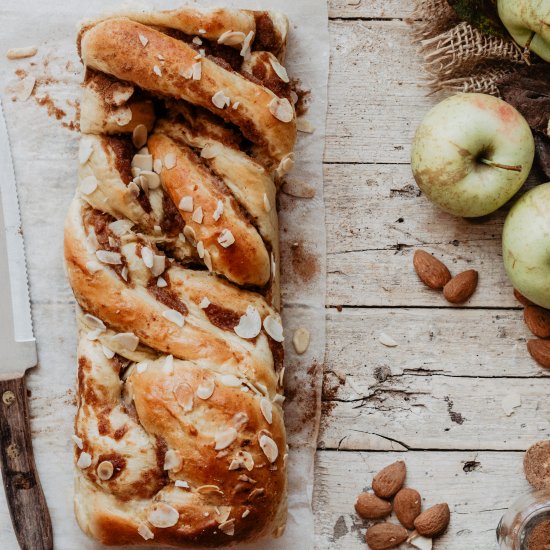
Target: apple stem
(516, 168)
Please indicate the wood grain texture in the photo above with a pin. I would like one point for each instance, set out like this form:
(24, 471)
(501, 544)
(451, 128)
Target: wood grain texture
(448, 342)
(478, 486)
(386, 9)
(28, 509)
(376, 99)
(377, 217)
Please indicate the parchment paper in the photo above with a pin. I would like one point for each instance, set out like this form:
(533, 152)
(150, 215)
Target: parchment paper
(44, 149)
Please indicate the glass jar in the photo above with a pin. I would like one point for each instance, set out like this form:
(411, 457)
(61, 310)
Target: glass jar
(526, 524)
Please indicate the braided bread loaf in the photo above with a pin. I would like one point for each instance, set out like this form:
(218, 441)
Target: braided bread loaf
(172, 251)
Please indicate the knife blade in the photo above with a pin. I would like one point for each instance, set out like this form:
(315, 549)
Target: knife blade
(26, 502)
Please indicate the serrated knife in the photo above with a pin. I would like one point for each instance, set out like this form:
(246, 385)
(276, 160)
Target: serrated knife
(26, 502)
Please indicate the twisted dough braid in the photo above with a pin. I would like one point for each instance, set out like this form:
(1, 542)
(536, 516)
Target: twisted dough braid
(172, 251)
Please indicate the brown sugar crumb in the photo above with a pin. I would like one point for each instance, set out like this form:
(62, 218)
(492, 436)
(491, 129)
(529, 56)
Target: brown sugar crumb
(539, 538)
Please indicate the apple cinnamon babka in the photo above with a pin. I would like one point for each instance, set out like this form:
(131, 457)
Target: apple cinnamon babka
(172, 251)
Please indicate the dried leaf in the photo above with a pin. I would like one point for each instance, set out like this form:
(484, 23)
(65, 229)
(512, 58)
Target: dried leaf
(482, 14)
(528, 90)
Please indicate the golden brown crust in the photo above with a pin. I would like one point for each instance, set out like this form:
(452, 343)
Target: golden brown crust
(102, 51)
(172, 252)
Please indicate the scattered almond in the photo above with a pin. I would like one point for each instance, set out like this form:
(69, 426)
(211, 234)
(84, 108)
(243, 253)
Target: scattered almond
(21, 53)
(369, 506)
(430, 270)
(434, 521)
(540, 352)
(407, 506)
(522, 299)
(385, 535)
(536, 465)
(461, 287)
(389, 480)
(537, 320)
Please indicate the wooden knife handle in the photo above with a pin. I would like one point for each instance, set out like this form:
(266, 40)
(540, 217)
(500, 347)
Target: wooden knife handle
(26, 502)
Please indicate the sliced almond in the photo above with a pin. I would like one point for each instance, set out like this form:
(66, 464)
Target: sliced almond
(84, 461)
(387, 340)
(206, 388)
(85, 150)
(231, 38)
(279, 69)
(145, 532)
(143, 39)
(22, 53)
(273, 327)
(303, 125)
(229, 380)
(198, 215)
(105, 470)
(186, 204)
(139, 136)
(300, 340)
(162, 515)
(170, 161)
(219, 211)
(226, 238)
(172, 460)
(298, 188)
(225, 438)
(168, 366)
(108, 257)
(196, 71)
(126, 340)
(267, 409)
(174, 316)
(184, 396)
(228, 527)
(250, 324)
(281, 109)
(147, 256)
(204, 303)
(220, 100)
(269, 447)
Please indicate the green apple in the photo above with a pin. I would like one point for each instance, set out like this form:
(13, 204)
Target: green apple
(526, 245)
(471, 154)
(528, 21)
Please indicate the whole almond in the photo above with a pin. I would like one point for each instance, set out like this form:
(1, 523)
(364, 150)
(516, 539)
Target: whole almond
(433, 521)
(385, 535)
(430, 270)
(407, 506)
(537, 320)
(389, 480)
(461, 287)
(369, 506)
(540, 352)
(521, 298)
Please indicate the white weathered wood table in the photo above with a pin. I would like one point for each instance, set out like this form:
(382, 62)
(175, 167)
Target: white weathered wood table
(436, 399)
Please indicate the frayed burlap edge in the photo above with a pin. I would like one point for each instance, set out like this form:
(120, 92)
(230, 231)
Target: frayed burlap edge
(457, 56)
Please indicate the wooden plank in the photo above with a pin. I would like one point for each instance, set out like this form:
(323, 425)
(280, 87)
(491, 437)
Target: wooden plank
(387, 9)
(375, 101)
(436, 412)
(376, 218)
(478, 487)
(462, 342)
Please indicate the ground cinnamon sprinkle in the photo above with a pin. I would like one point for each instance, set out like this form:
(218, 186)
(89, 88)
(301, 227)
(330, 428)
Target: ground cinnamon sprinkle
(53, 109)
(539, 538)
